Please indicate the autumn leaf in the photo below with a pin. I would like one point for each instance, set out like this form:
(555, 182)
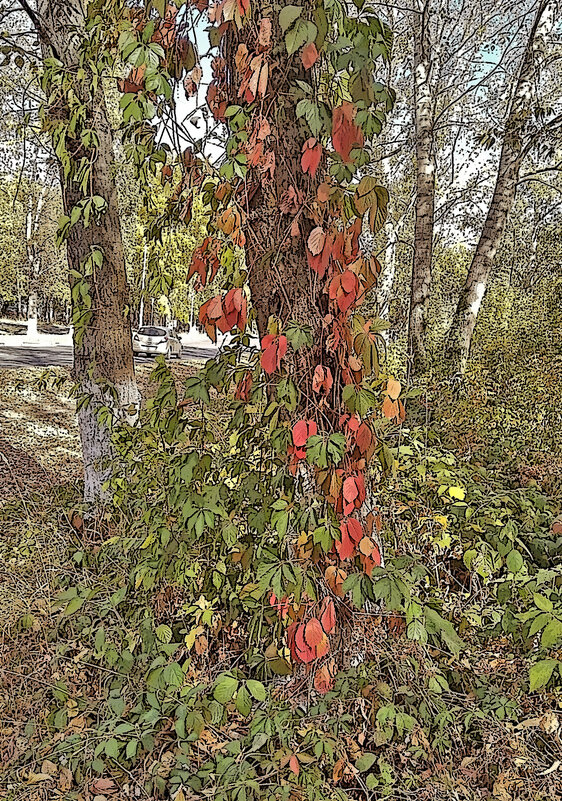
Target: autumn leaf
(328, 615)
(324, 678)
(345, 134)
(353, 494)
(264, 35)
(322, 381)
(311, 156)
(393, 389)
(390, 408)
(302, 430)
(244, 387)
(274, 349)
(309, 55)
(316, 240)
(294, 765)
(334, 578)
(303, 652)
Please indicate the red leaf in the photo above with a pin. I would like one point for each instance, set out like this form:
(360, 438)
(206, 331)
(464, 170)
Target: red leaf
(328, 615)
(364, 438)
(311, 156)
(350, 491)
(345, 134)
(353, 493)
(316, 241)
(354, 529)
(309, 55)
(302, 430)
(313, 633)
(345, 547)
(274, 349)
(244, 387)
(303, 652)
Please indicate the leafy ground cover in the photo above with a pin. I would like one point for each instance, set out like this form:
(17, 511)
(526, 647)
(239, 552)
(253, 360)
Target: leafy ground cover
(146, 656)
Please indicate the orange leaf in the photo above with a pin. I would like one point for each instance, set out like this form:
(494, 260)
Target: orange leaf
(393, 388)
(390, 408)
(335, 577)
(324, 678)
(309, 55)
(294, 765)
(313, 633)
(302, 430)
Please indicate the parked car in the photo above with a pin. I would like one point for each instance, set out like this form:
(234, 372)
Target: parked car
(152, 340)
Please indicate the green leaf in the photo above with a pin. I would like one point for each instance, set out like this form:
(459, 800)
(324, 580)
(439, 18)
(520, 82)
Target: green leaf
(514, 561)
(435, 624)
(296, 37)
(73, 605)
(243, 701)
(551, 634)
(173, 675)
(131, 750)
(540, 673)
(225, 687)
(257, 689)
(164, 633)
(288, 15)
(197, 389)
(543, 603)
(111, 748)
(365, 762)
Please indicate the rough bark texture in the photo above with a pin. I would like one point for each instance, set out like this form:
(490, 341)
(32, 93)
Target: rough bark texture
(424, 104)
(103, 358)
(470, 301)
(280, 279)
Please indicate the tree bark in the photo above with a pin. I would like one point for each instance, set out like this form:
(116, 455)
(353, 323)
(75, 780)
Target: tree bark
(103, 358)
(281, 282)
(424, 106)
(511, 156)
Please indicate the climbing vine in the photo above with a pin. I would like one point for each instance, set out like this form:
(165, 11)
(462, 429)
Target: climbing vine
(295, 89)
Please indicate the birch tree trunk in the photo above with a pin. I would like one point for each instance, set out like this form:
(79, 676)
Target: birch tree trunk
(513, 148)
(103, 358)
(424, 110)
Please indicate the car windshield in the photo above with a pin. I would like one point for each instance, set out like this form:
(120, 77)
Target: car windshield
(149, 331)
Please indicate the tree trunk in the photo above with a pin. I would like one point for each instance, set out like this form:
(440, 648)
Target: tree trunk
(424, 104)
(32, 314)
(513, 147)
(280, 279)
(103, 358)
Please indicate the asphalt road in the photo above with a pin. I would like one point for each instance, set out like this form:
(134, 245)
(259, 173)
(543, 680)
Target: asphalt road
(61, 356)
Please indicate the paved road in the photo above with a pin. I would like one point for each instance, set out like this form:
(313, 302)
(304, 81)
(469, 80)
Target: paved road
(61, 356)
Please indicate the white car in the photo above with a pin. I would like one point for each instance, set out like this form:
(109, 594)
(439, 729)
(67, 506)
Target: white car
(152, 341)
